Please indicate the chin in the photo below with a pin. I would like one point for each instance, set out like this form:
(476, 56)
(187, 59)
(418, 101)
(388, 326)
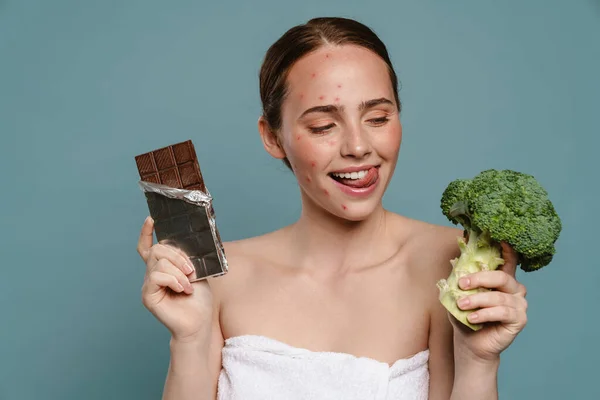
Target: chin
(356, 212)
(342, 206)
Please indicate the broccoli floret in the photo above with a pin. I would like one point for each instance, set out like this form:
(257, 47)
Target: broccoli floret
(493, 207)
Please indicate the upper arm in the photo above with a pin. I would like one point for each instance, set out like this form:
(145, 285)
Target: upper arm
(219, 288)
(441, 362)
(441, 350)
(222, 287)
(216, 341)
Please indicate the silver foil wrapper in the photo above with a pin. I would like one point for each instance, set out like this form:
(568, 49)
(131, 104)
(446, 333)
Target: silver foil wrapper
(185, 219)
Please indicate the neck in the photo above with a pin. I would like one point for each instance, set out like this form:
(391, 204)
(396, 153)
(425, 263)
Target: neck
(323, 241)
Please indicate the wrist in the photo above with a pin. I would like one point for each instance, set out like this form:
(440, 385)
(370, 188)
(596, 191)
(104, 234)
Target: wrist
(188, 357)
(196, 343)
(481, 370)
(463, 354)
(468, 360)
(475, 378)
(198, 338)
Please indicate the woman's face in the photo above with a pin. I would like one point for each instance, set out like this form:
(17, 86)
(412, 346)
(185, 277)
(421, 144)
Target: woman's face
(341, 130)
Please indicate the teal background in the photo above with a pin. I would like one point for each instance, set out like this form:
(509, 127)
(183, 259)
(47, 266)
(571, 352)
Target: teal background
(86, 85)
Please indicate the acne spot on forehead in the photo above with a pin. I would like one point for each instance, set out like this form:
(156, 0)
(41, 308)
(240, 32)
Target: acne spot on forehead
(337, 99)
(321, 97)
(313, 164)
(327, 55)
(314, 75)
(339, 85)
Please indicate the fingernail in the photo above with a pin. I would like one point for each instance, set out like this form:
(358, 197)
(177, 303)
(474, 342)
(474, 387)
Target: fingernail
(180, 287)
(464, 282)
(188, 268)
(463, 302)
(190, 288)
(473, 317)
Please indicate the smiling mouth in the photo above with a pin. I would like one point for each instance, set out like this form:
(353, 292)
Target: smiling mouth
(358, 179)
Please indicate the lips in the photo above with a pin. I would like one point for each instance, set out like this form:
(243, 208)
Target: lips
(362, 187)
(361, 180)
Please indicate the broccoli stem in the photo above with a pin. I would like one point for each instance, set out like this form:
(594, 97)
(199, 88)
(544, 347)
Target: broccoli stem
(480, 253)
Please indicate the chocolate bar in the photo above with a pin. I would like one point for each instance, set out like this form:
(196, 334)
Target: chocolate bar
(175, 166)
(181, 207)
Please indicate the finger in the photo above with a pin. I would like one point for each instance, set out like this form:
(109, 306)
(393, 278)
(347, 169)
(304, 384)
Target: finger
(522, 290)
(498, 280)
(493, 298)
(145, 239)
(510, 259)
(190, 264)
(160, 251)
(503, 314)
(163, 265)
(158, 280)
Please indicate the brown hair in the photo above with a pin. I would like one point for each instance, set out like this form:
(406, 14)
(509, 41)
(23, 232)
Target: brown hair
(301, 40)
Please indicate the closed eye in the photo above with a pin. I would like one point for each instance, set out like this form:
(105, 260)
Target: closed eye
(379, 121)
(321, 129)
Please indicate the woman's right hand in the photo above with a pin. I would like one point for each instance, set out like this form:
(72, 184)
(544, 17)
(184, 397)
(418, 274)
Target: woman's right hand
(167, 293)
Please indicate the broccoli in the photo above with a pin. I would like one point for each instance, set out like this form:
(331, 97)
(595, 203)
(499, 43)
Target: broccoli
(493, 207)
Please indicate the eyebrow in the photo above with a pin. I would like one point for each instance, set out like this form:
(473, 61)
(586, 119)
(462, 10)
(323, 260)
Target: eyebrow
(334, 109)
(365, 105)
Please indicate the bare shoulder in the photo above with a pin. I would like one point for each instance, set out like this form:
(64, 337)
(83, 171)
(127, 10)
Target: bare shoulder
(430, 248)
(243, 257)
(426, 249)
(439, 244)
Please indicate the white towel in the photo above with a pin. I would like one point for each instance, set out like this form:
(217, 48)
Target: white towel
(260, 368)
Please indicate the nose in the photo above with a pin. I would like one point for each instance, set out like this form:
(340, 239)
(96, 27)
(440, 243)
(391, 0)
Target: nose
(356, 143)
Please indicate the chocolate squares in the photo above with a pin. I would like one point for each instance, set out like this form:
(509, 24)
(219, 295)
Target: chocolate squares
(175, 166)
(181, 207)
(187, 227)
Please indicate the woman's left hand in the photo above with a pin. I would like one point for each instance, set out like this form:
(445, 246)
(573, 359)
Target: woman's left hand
(503, 311)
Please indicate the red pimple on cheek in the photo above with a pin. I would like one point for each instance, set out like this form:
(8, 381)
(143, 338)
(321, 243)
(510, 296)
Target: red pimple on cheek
(314, 75)
(339, 86)
(313, 164)
(344, 207)
(301, 95)
(331, 142)
(298, 137)
(326, 192)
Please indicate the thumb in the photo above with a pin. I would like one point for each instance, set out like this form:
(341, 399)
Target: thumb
(146, 239)
(510, 259)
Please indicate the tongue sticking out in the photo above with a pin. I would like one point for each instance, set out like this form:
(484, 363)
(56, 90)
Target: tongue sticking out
(364, 182)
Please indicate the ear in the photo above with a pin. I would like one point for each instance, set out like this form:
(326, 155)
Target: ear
(270, 139)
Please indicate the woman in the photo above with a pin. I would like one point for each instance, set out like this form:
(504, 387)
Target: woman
(342, 304)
